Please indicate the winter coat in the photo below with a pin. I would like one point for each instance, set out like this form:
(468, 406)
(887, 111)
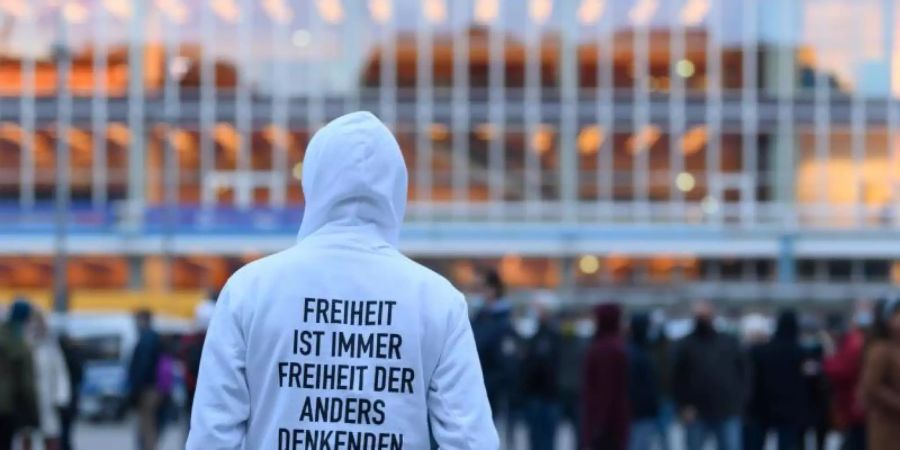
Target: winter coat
(643, 386)
(498, 352)
(844, 370)
(142, 369)
(17, 390)
(881, 395)
(606, 414)
(780, 390)
(341, 341)
(540, 365)
(710, 374)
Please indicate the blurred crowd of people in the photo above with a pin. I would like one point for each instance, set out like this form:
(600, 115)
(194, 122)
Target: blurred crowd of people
(625, 382)
(41, 373)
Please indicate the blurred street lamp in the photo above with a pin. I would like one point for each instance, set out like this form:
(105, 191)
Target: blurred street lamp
(643, 11)
(74, 12)
(590, 138)
(278, 11)
(381, 10)
(119, 8)
(486, 11)
(227, 10)
(590, 11)
(540, 10)
(435, 11)
(16, 8)
(301, 38)
(330, 10)
(694, 140)
(694, 12)
(685, 68)
(685, 182)
(588, 264)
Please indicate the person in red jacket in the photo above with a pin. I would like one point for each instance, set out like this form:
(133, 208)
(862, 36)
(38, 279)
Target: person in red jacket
(605, 402)
(844, 371)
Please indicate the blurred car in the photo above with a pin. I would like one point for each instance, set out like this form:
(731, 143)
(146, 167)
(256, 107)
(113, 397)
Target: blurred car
(106, 342)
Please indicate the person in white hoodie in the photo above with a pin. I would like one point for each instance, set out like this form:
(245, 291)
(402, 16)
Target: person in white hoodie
(341, 342)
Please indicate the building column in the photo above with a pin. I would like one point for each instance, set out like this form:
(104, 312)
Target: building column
(135, 272)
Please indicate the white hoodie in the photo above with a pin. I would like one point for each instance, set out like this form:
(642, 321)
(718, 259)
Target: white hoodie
(341, 342)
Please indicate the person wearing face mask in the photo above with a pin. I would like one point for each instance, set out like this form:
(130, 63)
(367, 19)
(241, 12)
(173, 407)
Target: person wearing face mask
(881, 378)
(540, 375)
(709, 381)
(576, 337)
(781, 403)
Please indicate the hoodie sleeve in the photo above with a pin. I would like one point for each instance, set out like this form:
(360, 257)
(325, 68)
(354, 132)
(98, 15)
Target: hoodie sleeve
(222, 400)
(457, 401)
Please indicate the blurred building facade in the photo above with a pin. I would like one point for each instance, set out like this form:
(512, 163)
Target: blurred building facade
(736, 148)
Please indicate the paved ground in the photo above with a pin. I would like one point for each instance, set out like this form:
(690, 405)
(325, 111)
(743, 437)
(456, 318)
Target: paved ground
(120, 436)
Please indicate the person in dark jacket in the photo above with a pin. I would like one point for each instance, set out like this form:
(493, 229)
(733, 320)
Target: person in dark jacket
(576, 339)
(605, 404)
(75, 368)
(709, 383)
(643, 388)
(142, 373)
(18, 397)
(780, 392)
(540, 379)
(498, 349)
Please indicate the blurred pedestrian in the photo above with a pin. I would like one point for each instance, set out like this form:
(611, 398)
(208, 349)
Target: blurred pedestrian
(709, 383)
(142, 374)
(498, 350)
(661, 352)
(844, 370)
(780, 397)
(605, 403)
(576, 338)
(75, 366)
(166, 374)
(192, 348)
(643, 387)
(18, 398)
(540, 375)
(52, 383)
(881, 379)
(814, 341)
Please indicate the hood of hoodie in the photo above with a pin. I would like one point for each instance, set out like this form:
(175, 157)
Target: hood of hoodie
(354, 177)
(608, 318)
